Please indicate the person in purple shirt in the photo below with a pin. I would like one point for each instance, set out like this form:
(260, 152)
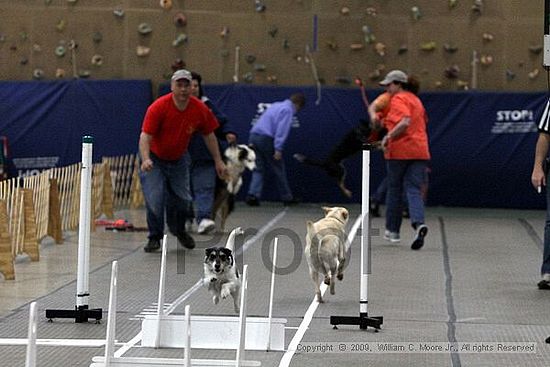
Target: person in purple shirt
(267, 137)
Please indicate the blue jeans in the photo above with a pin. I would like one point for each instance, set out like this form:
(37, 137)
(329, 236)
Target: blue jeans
(545, 268)
(408, 175)
(379, 196)
(166, 188)
(203, 182)
(263, 145)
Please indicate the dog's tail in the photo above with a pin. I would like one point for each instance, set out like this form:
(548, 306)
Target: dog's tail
(230, 244)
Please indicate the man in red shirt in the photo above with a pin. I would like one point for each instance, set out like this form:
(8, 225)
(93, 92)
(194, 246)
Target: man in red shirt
(167, 128)
(407, 154)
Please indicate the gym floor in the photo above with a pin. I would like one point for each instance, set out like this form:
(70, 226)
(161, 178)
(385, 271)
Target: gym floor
(471, 287)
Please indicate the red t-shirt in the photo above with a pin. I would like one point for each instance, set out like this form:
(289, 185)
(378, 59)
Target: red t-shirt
(413, 142)
(171, 128)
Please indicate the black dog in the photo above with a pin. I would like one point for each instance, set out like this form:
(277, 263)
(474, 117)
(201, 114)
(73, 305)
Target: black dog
(350, 144)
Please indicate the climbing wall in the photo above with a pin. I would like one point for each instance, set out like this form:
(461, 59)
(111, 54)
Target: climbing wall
(448, 44)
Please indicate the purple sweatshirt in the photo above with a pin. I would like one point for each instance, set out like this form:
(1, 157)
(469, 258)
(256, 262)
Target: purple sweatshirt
(275, 122)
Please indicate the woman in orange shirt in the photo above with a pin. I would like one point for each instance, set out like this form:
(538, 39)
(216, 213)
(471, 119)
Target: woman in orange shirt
(407, 154)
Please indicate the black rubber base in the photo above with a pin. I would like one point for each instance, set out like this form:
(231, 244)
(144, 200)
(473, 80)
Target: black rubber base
(363, 320)
(80, 314)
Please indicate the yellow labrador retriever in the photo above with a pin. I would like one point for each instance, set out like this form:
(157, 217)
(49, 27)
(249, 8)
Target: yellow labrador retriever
(325, 248)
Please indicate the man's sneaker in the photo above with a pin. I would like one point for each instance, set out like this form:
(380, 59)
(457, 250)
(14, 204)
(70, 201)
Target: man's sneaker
(206, 226)
(152, 245)
(545, 282)
(391, 236)
(186, 240)
(251, 200)
(421, 232)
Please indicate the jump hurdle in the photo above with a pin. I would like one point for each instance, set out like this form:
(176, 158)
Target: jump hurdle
(213, 332)
(109, 359)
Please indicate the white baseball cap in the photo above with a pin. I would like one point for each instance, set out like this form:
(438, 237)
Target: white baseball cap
(181, 74)
(394, 76)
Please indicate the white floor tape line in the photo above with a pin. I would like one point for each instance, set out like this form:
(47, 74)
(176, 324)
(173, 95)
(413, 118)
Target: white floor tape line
(287, 357)
(136, 339)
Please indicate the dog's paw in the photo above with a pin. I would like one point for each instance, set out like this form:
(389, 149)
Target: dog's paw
(320, 299)
(327, 280)
(340, 276)
(215, 300)
(225, 293)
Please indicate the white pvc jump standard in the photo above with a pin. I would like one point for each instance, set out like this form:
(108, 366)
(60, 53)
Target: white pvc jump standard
(363, 320)
(82, 313)
(30, 360)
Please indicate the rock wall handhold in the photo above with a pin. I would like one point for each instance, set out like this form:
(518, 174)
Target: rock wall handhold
(486, 60)
(346, 80)
(487, 37)
(24, 61)
(357, 46)
(510, 75)
(273, 31)
(166, 4)
(272, 78)
(250, 58)
(179, 40)
(178, 64)
(344, 10)
(144, 28)
(38, 74)
(416, 14)
(286, 44)
(453, 4)
(61, 25)
(374, 75)
(36, 48)
(60, 51)
(97, 60)
(428, 46)
(380, 48)
(333, 45)
(259, 67)
(224, 32)
(248, 77)
(534, 74)
(259, 7)
(452, 72)
(180, 19)
(84, 73)
(477, 7)
(59, 73)
(142, 51)
(368, 34)
(371, 11)
(463, 85)
(402, 49)
(119, 13)
(451, 49)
